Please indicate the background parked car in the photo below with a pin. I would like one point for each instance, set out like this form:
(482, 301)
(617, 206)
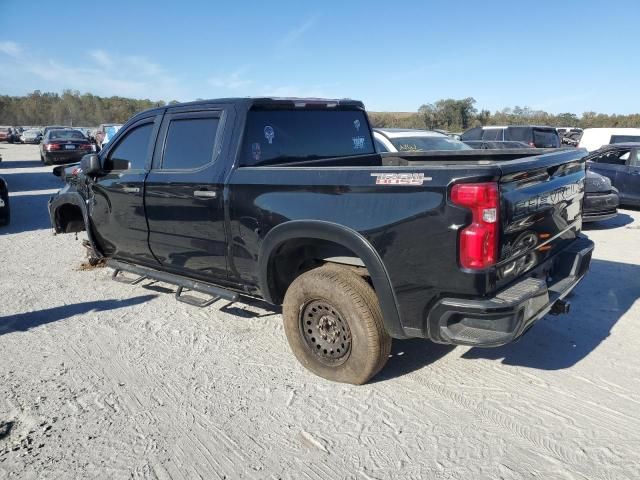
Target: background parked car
(105, 132)
(7, 134)
(495, 145)
(31, 136)
(5, 212)
(64, 146)
(620, 163)
(409, 140)
(46, 129)
(601, 199)
(594, 138)
(535, 136)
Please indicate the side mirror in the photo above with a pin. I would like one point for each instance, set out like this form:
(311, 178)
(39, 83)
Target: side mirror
(90, 165)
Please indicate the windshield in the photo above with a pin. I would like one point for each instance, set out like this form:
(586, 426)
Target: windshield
(66, 135)
(624, 138)
(421, 144)
(274, 136)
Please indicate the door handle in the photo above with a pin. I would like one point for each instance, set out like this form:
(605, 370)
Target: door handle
(130, 189)
(205, 194)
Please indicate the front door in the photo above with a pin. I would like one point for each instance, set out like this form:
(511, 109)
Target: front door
(611, 164)
(630, 179)
(184, 195)
(116, 206)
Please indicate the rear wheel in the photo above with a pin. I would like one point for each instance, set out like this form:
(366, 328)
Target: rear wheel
(334, 325)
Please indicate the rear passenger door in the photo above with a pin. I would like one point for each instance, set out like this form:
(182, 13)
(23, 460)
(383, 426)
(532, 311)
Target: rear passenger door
(184, 194)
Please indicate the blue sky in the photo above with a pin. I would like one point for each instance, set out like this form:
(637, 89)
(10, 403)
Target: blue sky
(558, 56)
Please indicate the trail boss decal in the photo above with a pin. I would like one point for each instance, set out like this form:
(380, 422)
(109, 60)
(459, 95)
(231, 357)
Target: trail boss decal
(400, 178)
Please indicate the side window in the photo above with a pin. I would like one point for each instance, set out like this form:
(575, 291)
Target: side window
(473, 134)
(379, 146)
(614, 158)
(131, 151)
(635, 159)
(189, 142)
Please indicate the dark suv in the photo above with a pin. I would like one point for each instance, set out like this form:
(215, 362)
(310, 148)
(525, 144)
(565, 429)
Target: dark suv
(539, 137)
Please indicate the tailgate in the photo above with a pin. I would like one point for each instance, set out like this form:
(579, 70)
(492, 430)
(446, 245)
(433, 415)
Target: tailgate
(541, 209)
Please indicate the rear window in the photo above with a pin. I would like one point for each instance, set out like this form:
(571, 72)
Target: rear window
(422, 144)
(66, 135)
(278, 136)
(624, 138)
(546, 138)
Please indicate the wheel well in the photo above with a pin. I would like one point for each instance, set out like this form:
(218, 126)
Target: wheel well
(294, 257)
(70, 219)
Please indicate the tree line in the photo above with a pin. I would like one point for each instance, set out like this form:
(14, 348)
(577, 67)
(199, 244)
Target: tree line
(454, 115)
(457, 115)
(70, 108)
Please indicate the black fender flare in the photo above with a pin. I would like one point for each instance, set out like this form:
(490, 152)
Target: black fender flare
(75, 199)
(347, 237)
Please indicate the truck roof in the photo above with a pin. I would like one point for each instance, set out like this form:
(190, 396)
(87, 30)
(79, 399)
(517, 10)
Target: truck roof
(249, 102)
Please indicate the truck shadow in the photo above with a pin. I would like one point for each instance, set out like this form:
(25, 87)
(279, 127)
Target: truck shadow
(28, 212)
(410, 355)
(21, 322)
(21, 164)
(605, 295)
(29, 193)
(620, 220)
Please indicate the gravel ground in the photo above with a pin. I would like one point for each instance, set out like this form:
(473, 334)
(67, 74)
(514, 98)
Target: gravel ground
(104, 380)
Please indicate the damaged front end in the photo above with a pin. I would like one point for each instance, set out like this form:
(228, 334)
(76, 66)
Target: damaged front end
(68, 209)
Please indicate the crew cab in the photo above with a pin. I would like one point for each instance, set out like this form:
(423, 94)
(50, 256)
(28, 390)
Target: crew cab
(287, 200)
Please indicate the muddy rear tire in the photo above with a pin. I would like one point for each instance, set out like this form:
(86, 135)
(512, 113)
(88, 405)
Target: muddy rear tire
(334, 325)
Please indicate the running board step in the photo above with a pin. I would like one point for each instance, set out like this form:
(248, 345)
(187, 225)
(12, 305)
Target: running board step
(144, 273)
(195, 301)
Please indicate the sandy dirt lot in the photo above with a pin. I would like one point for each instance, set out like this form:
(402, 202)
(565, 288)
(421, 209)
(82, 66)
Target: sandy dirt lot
(104, 380)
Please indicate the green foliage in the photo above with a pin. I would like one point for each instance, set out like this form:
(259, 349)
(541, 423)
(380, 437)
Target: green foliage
(70, 108)
(459, 115)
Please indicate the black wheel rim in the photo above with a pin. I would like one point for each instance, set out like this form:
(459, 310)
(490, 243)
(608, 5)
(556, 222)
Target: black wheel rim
(326, 332)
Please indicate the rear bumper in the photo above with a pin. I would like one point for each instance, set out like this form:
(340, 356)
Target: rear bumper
(65, 157)
(491, 322)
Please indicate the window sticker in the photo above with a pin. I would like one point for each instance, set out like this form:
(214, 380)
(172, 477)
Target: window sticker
(256, 153)
(356, 123)
(358, 143)
(269, 134)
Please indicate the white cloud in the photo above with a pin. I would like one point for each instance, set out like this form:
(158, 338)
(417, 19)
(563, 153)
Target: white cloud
(10, 48)
(293, 35)
(232, 81)
(105, 74)
(101, 57)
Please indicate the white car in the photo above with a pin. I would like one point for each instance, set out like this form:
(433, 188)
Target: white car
(594, 138)
(410, 140)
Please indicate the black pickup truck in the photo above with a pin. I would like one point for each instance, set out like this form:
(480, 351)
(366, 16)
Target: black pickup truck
(287, 201)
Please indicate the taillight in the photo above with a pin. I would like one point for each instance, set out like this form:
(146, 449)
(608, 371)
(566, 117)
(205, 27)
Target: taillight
(85, 147)
(478, 241)
(52, 146)
(531, 144)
